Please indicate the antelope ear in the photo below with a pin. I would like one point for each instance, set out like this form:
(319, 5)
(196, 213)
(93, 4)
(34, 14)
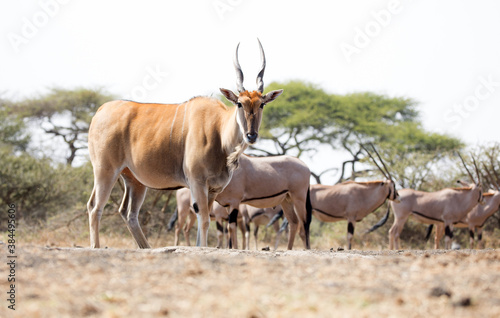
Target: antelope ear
(269, 97)
(232, 97)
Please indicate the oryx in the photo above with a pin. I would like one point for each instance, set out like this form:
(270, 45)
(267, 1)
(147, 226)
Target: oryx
(474, 220)
(196, 144)
(267, 182)
(258, 217)
(352, 201)
(447, 206)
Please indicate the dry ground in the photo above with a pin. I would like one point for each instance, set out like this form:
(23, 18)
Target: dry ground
(208, 282)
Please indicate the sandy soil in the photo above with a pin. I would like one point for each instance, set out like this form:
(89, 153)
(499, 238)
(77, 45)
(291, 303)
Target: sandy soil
(209, 282)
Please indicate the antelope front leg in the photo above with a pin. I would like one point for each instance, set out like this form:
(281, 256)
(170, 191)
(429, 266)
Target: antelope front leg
(200, 206)
(276, 227)
(202, 233)
(220, 232)
(448, 238)
(471, 238)
(350, 233)
(439, 235)
(480, 243)
(233, 235)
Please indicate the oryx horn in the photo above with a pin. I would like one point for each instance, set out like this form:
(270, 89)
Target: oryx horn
(465, 166)
(382, 161)
(260, 76)
(374, 161)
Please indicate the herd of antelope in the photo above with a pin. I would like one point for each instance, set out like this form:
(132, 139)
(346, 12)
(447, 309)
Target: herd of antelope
(196, 148)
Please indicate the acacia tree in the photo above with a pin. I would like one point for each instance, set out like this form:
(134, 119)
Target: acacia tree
(305, 116)
(34, 185)
(65, 115)
(13, 133)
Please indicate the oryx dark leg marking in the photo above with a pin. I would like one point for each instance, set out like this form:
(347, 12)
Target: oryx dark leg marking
(448, 232)
(350, 234)
(196, 208)
(350, 228)
(471, 234)
(480, 236)
(219, 227)
(233, 216)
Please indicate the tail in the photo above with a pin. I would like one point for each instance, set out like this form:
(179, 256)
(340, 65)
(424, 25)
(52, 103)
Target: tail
(172, 220)
(429, 231)
(284, 225)
(275, 218)
(382, 220)
(309, 209)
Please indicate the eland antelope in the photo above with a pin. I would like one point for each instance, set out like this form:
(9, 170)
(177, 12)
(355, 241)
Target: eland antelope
(195, 144)
(474, 220)
(265, 182)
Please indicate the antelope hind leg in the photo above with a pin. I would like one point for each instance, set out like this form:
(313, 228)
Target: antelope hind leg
(188, 227)
(136, 193)
(103, 184)
(293, 221)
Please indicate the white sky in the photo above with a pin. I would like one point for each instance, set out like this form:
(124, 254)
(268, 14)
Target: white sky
(439, 53)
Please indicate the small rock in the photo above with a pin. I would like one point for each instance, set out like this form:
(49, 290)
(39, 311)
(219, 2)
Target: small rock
(455, 246)
(440, 291)
(266, 248)
(340, 248)
(463, 302)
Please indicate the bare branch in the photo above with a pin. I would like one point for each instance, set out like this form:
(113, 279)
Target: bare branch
(317, 177)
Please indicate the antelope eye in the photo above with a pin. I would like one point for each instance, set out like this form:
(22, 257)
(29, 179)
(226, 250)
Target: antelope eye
(239, 105)
(262, 105)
